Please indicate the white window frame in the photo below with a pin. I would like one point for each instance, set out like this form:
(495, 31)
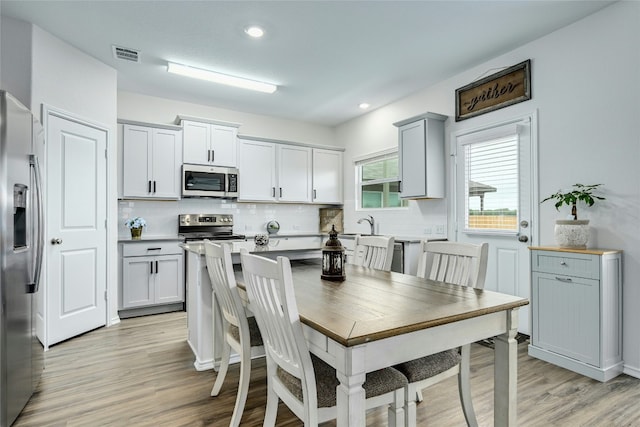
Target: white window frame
(370, 158)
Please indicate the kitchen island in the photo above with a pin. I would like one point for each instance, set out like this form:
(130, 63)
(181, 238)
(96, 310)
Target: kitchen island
(203, 315)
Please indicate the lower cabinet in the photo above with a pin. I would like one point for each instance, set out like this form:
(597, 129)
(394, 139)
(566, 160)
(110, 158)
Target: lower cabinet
(152, 274)
(576, 310)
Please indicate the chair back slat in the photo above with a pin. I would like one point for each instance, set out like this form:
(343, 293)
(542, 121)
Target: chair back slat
(271, 295)
(223, 282)
(373, 252)
(462, 264)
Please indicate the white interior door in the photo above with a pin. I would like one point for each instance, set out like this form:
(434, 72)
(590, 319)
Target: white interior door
(494, 202)
(76, 228)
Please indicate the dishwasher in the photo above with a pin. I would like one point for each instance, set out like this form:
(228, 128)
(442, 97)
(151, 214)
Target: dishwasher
(397, 263)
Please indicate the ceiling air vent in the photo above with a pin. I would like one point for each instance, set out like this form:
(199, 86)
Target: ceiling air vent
(126, 54)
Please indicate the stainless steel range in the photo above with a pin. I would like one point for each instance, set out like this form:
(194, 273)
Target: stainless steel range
(207, 226)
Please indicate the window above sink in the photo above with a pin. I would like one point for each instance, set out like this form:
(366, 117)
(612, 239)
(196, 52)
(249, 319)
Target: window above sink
(378, 181)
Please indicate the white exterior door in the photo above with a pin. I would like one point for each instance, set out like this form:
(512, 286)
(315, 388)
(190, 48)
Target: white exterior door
(494, 202)
(76, 228)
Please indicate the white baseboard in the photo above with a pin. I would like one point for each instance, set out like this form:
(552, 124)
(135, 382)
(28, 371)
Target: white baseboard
(632, 371)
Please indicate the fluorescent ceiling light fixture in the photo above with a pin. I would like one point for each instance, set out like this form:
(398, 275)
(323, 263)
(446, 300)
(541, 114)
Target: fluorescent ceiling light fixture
(225, 79)
(255, 32)
(364, 105)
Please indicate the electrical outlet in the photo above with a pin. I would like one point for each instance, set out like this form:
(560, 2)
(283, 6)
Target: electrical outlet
(440, 229)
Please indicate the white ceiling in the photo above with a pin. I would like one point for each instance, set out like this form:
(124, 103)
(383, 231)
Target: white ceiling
(326, 56)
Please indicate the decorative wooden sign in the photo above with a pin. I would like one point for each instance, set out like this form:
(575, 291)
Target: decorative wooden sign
(499, 90)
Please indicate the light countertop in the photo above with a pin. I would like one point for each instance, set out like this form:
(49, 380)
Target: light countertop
(325, 236)
(274, 246)
(147, 238)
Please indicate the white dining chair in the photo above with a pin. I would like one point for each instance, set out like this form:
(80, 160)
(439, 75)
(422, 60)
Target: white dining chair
(373, 251)
(461, 264)
(241, 333)
(305, 383)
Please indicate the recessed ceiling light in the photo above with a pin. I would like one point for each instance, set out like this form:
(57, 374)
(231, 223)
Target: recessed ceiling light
(255, 32)
(364, 106)
(225, 79)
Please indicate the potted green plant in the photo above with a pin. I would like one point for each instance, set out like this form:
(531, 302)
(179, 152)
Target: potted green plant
(136, 225)
(573, 232)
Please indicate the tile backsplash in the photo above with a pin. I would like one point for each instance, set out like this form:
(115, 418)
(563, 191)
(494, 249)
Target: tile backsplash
(423, 219)
(249, 218)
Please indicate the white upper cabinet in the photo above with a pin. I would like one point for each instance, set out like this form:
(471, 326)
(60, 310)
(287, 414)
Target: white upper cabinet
(210, 143)
(274, 171)
(327, 176)
(151, 160)
(257, 170)
(294, 173)
(421, 155)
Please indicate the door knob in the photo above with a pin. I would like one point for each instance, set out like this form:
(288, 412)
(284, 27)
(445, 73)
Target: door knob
(523, 239)
(56, 241)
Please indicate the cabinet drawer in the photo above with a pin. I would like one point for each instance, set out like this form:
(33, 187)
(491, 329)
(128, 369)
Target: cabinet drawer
(566, 264)
(151, 248)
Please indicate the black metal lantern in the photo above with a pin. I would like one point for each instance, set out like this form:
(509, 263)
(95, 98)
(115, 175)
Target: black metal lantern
(333, 258)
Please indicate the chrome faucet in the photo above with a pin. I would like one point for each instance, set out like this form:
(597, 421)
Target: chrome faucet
(371, 222)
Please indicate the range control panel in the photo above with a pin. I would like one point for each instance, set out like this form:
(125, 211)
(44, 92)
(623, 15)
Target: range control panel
(196, 220)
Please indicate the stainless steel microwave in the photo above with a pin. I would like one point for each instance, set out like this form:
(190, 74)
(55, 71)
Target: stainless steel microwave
(209, 181)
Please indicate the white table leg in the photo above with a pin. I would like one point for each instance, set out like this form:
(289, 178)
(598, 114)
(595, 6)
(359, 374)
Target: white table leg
(506, 374)
(350, 394)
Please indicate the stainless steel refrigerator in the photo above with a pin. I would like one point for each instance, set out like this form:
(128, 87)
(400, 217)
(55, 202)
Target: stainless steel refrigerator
(21, 245)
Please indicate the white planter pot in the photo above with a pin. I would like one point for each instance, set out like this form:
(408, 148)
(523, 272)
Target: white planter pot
(570, 233)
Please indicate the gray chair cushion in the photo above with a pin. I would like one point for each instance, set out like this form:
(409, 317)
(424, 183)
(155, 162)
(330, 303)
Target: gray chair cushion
(429, 366)
(376, 383)
(254, 332)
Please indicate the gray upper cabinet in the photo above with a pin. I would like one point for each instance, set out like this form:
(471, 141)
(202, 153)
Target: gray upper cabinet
(421, 156)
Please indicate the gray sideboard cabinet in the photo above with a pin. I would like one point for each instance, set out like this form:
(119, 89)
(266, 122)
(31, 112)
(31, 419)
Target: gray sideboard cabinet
(576, 309)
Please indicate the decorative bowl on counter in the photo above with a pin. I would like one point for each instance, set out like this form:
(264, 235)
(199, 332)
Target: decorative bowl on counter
(261, 239)
(273, 227)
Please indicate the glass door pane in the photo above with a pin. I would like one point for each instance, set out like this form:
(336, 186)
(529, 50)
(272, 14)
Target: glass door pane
(491, 185)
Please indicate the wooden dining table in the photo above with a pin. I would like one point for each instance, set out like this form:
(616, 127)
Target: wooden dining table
(375, 319)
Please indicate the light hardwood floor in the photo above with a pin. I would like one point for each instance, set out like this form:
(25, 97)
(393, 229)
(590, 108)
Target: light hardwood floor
(140, 373)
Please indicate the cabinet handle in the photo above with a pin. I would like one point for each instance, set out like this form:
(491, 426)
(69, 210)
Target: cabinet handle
(156, 267)
(154, 186)
(314, 194)
(213, 155)
(154, 249)
(564, 279)
(273, 191)
(563, 263)
(399, 186)
(149, 187)
(280, 191)
(208, 155)
(150, 267)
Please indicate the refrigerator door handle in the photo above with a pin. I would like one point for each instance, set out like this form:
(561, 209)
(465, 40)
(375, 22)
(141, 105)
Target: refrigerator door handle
(35, 165)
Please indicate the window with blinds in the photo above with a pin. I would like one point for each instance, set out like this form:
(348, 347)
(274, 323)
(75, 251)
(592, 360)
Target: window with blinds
(491, 184)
